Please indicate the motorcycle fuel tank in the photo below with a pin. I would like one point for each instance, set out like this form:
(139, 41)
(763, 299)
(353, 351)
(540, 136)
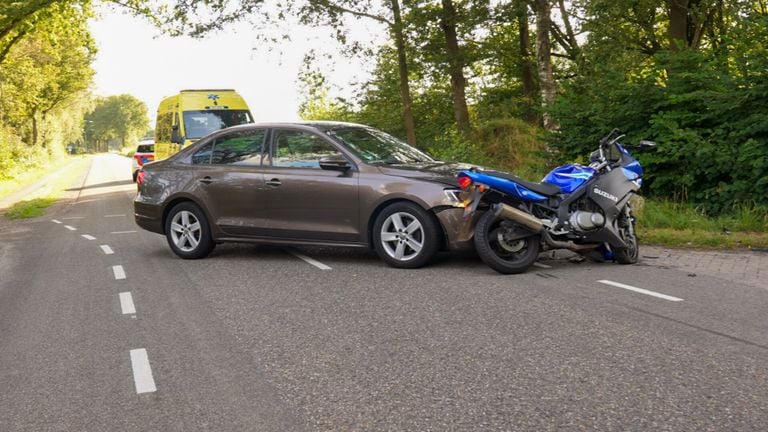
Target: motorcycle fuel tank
(569, 177)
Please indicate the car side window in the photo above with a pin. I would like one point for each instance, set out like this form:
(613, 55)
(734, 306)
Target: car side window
(299, 149)
(203, 155)
(241, 148)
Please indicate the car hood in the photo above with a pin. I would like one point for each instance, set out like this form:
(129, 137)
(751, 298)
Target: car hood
(435, 171)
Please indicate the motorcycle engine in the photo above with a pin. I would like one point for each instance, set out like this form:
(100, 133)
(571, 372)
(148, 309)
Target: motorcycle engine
(586, 221)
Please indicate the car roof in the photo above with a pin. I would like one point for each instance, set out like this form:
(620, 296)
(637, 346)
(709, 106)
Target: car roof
(316, 124)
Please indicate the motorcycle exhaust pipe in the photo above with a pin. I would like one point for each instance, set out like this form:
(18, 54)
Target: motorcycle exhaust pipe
(508, 212)
(536, 225)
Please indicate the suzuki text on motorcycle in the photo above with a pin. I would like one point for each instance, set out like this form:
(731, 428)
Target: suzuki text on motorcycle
(586, 209)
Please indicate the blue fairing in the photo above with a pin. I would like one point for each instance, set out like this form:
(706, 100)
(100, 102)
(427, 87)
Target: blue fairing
(569, 177)
(504, 185)
(630, 164)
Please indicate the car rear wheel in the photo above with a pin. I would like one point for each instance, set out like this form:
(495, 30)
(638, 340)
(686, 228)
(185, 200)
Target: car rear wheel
(405, 236)
(135, 175)
(188, 232)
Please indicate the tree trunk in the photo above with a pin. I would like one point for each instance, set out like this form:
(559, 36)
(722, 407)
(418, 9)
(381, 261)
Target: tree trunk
(35, 129)
(402, 64)
(544, 60)
(526, 66)
(455, 66)
(678, 24)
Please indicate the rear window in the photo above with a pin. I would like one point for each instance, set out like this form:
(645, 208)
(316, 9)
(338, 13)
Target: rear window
(145, 148)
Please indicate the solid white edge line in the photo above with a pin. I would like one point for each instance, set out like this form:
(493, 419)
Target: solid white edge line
(107, 250)
(310, 261)
(118, 271)
(641, 291)
(70, 228)
(122, 232)
(126, 303)
(88, 237)
(142, 372)
(56, 221)
(540, 265)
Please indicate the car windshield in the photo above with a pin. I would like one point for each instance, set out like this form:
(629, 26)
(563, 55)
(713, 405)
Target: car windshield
(198, 124)
(376, 147)
(145, 148)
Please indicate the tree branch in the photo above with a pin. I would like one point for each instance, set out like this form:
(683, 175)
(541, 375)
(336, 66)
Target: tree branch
(341, 9)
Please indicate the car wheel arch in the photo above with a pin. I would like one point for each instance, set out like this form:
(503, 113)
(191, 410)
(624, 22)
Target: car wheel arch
(178, 200)
(379, 208)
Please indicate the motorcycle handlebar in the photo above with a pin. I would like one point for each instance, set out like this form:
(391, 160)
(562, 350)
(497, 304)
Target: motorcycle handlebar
(606, 138)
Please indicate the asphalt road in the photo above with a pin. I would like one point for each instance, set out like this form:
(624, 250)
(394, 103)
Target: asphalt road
(255, 338)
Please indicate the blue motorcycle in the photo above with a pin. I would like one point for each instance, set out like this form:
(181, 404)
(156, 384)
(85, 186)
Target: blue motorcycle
(586, 209)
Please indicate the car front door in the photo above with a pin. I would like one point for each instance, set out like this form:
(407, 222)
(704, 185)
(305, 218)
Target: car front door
(230, 182)
(305, 201)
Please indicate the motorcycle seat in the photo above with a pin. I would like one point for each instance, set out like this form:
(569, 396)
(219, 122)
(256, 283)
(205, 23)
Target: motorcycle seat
(546, 189)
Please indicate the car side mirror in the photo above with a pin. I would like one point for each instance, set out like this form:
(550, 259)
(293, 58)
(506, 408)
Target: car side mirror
(335, 163)
(175, 136)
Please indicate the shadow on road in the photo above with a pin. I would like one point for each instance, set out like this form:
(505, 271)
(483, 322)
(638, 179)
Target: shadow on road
(102, 185)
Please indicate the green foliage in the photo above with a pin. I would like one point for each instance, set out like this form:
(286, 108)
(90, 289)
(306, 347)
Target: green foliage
(122, 117)
(45, 72)
(707, 109)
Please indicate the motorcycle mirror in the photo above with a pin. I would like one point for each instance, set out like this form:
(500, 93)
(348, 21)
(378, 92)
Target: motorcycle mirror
(647, 144)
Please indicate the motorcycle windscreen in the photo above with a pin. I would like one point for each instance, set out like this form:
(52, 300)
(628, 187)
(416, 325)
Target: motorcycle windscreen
(569, 177)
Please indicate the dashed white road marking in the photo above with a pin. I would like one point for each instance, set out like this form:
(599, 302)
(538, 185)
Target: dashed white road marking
(641, 290)
(114, 215)
(71, 228)
(142, 372)
(73, 218)
(123, 232)
(311, 261)
(107, 250)
(88, 237)
(119, 272)
(540, 265)
(126, 303)
(56, 221)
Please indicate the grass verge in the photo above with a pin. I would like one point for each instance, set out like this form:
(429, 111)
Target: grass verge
(683, 225)
(29, 209)
(36, 204)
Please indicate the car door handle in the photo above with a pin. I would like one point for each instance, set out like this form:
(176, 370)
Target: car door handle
(274, 182)
(206, 180)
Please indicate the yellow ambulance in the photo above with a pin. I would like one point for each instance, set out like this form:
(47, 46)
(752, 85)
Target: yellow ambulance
(190, 115)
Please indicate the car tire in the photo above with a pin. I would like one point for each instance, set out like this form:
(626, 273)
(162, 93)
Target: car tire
(188, 232)
(405, 235)
(135, 175)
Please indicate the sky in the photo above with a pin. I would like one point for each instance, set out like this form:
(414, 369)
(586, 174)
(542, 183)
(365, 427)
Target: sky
(135, 58)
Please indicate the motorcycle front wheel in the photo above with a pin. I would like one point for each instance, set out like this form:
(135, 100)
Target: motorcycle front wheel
(629, 235)
(498, 246)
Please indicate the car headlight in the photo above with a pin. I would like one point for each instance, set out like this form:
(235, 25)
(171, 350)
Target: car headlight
(453, 197)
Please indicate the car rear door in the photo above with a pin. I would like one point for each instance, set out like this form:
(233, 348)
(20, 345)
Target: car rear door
(230, 182)
(305, 201)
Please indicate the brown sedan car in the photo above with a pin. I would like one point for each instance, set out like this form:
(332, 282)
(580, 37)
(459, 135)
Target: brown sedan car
(313, 183)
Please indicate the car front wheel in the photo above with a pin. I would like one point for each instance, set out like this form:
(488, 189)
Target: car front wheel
(405, 236)
(188, 232)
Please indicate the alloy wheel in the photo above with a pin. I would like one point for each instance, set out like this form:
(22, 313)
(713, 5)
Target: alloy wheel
(402, 236)
(185, 231)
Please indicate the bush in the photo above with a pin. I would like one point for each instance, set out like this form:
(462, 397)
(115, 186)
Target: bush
(505, 144)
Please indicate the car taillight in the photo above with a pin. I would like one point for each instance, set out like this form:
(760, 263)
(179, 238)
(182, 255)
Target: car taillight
(140, 177)
(465, 182)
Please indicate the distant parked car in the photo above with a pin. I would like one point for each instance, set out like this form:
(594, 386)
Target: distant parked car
(316, 183)
(145, 152)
